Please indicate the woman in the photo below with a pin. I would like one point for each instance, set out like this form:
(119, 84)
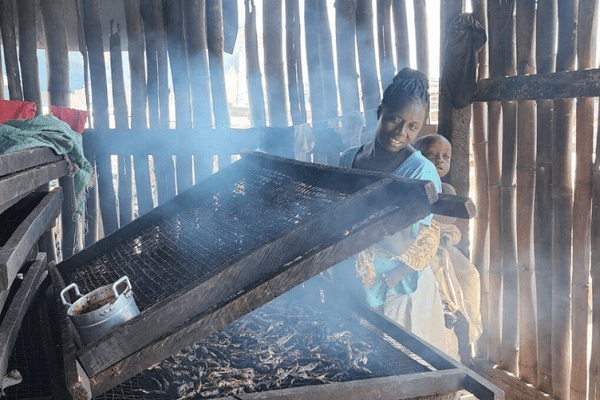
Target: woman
(395, 273)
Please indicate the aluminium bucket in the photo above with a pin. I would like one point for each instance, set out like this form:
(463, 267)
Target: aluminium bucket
(102, 309)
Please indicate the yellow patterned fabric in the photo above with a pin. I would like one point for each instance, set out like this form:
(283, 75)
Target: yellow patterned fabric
(458, 280)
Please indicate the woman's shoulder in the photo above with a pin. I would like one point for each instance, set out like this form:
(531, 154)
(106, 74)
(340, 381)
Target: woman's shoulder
(348, 156)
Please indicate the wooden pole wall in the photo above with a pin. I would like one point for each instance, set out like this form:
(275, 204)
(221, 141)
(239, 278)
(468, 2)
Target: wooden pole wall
(9, 42)
(326, 65)
(400, 20)
(366, 59)
(137, 65)
(274, 71)
(214, 39)
(422, 38)
(546, 19)
(384, 40)
(594, 378)
(118, 81)
(313, 59)
(294, 62)
(563, 198)
(151, 41)
(525, 18)
(447, 12)
(481, 256)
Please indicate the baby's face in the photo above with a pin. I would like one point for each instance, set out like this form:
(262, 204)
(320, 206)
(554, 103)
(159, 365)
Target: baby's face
(440, 154)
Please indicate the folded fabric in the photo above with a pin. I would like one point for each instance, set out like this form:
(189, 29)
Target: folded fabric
(48, 131)
(13, 109)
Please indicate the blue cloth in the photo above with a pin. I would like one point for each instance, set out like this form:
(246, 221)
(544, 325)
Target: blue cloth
(416, 166)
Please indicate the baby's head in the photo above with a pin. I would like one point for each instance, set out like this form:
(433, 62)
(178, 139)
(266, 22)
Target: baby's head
(437, 149)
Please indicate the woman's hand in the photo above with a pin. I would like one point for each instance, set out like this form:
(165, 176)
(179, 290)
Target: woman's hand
(394, 276)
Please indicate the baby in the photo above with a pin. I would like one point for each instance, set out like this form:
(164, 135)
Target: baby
(457, 276)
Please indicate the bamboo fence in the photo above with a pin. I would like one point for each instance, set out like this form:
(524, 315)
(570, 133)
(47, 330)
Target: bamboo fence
(536, 235)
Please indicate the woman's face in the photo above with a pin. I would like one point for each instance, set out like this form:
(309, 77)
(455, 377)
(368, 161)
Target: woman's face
(397, 127)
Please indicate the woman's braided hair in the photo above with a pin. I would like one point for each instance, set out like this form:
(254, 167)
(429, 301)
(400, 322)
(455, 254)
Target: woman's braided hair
(409, 85)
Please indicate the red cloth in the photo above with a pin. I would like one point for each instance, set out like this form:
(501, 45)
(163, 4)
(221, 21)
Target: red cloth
(75, 118)
(13, 109)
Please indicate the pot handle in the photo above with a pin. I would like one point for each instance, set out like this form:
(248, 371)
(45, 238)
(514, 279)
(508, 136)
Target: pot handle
(124, 278)
(65, 290)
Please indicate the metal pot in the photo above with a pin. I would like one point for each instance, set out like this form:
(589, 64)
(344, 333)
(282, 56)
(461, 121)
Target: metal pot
(102, 309)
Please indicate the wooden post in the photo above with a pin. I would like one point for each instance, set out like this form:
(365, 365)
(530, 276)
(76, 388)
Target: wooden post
(447, 12)
(214, 29)
(315, 76)
(253, 74)
(421, 36)
(546, 18)
(481, 256)
(525, 194)
(594, 390)
(275, 80)
(326, 64)
(195, 31)
(68, 210)
(582, 203)
(563, 198)
(28, 52)
(125, 193)
(149, 18)
(95, 47)
(294, 60)
(384, 40)
(137, 66)
(9, 41)
(56, 52)
(163, 65)
(118, 83)
(230, 25)
(106, 193)
(345, 34)
(142, 180)
(401, 29)
(92, 214)
(366, 60)
(179, 64)
(502, 44)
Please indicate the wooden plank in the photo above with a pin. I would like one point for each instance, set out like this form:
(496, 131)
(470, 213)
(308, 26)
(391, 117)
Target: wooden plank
(293, 42)
(11, 323)
(257, 268)
(135, 50)
(254, 77)
(513, 387)
(76, 380)
(365, 41)
(455, 206)
(394, 387)
(69, 226)
(214, 41)
(273, 56)
(345, 35)
(541, 86)
(117, 80)
(114, 370)
(22, 160)
(15, 185)
(14, 253)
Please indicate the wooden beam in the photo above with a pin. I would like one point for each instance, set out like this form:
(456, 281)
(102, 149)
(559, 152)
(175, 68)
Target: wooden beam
(76, 380)
(543, 86)
(513, 387)
(456, 206)
(257, 268)
(16, 249)
(434, 383)
(11, 323)
(13, 186)
(22, 160)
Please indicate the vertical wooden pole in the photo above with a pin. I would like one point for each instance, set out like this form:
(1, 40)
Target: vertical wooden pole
(118, 82)
(326, 57)
(345, 34)
(137, 66)
(68, 225)
(481, 256)
(525, 194)
(93, 37)
(384, 40)
(56, 52)
(253, 74)
(315, 74)
(125, 194)
(230, 25)
(9, 42)
(28, 52)
(494, 160)
(594, 389)
(143, 185)
(421, 29)
(294, 64)
(273, 39)
(582, 203)
(401, 29)
(447, 12)
(93, 212)
(150, 37)
(214, 29)
(179, 65)
(163, 67)
(195, 30)
(546, 19)
(366, 60)
(563, 198)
